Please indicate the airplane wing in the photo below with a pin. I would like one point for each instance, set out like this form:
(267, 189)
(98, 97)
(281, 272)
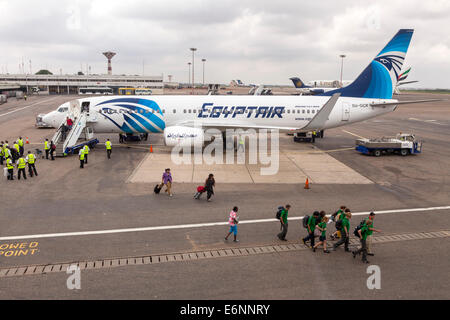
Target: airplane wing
(404, 102)
(321, 117)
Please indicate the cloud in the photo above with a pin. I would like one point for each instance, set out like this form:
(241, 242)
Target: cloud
(258, 42)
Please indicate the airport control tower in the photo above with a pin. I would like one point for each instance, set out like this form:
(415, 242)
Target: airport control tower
(109, 55)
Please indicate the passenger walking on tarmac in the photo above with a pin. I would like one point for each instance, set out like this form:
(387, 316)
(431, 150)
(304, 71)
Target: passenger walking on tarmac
(312, 222)
(363, 232)
(284, 223)
(209, 186)
(322, 227)
(21, 168)
(81, 157)
(337, 216)
(167, 180)
(86, 152)
(345, 228)
(46, 148)
(120, 138)
(233, 220)
(370, 232)
(21, 149)
(52, 149)
(31, 160)
(10, 167)
(108, 148)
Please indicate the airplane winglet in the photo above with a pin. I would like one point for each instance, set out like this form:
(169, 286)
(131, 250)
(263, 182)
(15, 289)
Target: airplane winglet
(318, 122)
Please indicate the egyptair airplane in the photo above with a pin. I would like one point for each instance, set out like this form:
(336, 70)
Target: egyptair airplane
(179, 117)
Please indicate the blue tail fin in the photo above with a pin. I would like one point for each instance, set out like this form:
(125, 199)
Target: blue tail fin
(298, 83)
(380, 77)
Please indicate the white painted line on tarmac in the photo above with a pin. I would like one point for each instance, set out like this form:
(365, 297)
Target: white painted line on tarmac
(31, 105)
(198, 225)
(353, 134)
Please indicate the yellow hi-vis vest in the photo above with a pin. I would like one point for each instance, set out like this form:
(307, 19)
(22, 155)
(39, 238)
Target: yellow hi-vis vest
(21, 163)
(2, 153)
(20, 142)
(17, 147)
(86, 149)
(82, 155)
(31, 158)
(9, 164)
(6, 153)
(108, 145)
(46, 145)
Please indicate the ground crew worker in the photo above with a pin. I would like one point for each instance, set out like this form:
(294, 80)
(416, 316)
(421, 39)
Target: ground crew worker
(31, 160)
(2, 153)
(241, 143)
(108, 148)
(10, 167)
(46, 148)
(314, 133)
(81, 156)
(7, 153)
(363, 232)
(345, 235)
(20, 143)
(16, 146)
(21, 168)
(86, 152)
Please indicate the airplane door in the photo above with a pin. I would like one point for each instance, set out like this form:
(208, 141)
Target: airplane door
(345, 111)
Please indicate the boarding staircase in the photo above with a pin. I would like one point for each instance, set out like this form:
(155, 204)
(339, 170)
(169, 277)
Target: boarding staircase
(78, 136)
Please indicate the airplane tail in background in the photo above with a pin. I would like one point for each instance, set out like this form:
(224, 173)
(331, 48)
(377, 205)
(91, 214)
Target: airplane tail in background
(298, 83)
(380, 78)
(404, 75)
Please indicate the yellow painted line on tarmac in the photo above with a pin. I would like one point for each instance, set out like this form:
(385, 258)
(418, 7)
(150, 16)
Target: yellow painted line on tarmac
(353, 134)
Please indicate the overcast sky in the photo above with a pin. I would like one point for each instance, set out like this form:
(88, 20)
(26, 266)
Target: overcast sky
(261, 42)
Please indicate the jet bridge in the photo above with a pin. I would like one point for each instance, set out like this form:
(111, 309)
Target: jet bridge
(70, 140)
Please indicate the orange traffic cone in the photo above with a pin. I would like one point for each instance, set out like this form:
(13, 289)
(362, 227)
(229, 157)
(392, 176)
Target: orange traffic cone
(27, 142)
(151, 149)
(307, 184)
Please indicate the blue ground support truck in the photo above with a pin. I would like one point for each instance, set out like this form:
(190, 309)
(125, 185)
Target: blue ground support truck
(402, 143)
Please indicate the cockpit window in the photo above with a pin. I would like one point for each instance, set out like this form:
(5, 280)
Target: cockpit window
(63, 109)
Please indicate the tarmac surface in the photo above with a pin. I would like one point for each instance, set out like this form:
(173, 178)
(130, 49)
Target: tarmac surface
(113, 196)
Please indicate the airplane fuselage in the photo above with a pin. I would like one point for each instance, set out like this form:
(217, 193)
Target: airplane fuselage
(152, 114)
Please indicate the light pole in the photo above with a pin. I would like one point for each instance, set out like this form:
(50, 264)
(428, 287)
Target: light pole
(203, 60)
(342, 66)
(189, 75)
(193, 82)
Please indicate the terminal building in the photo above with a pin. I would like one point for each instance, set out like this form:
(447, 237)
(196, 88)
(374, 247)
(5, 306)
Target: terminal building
(76, 84)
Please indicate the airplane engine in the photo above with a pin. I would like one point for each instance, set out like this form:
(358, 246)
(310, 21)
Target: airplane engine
(183, 136)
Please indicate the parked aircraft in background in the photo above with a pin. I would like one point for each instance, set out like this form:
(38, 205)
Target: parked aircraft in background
(183, 119)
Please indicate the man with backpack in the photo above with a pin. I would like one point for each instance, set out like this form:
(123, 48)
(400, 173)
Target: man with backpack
(369, 234)
(282, 215)
(337, 216)
(311, 226)
(345, 229)
(363, 232)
